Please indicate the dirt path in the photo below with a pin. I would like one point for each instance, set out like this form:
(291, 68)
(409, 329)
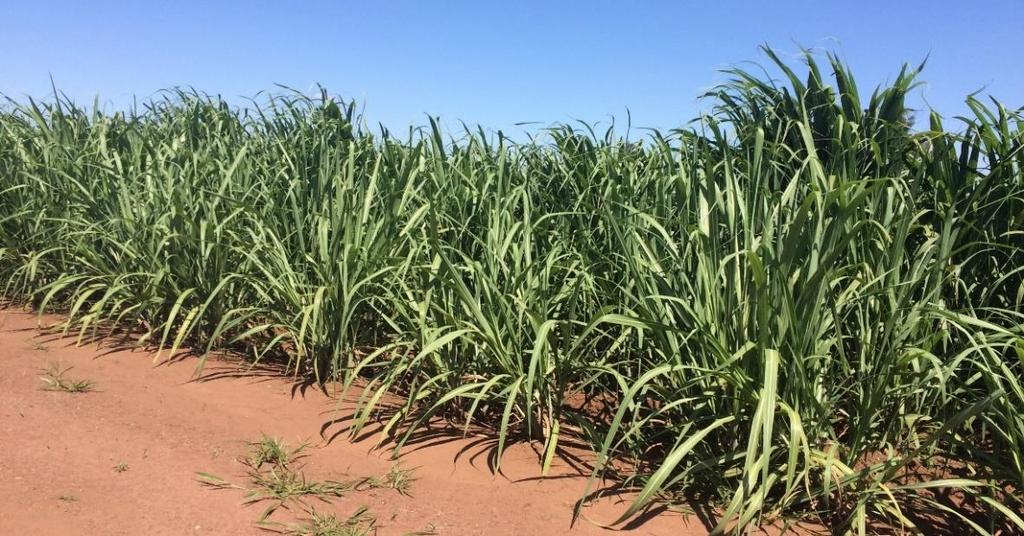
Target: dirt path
(59, 453)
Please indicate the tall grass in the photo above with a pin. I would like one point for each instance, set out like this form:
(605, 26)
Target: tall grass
(801, 308)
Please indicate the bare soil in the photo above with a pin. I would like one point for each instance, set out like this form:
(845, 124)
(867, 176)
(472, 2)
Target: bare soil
(123, 459)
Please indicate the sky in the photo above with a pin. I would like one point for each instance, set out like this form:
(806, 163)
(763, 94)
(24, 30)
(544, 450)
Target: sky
(496, 64)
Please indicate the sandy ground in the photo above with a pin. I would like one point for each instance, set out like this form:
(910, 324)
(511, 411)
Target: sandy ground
(58, 453)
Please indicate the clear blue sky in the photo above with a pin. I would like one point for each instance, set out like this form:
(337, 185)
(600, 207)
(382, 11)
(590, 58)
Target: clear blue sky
(497, 63)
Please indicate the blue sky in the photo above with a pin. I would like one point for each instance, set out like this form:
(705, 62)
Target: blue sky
(498, 63)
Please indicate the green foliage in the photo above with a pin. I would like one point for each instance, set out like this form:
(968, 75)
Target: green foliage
(789, 309)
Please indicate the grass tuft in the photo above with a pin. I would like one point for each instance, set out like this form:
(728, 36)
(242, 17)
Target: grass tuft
(397, 478)
(272, 451)
(359, 523)
(273, 476)
(55, 379)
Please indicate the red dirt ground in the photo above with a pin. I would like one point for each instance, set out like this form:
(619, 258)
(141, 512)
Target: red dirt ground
(58, 452)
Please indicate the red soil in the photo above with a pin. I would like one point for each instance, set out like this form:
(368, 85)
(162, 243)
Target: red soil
(58, 453)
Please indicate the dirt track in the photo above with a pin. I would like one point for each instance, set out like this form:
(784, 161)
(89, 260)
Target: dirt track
(58, 453)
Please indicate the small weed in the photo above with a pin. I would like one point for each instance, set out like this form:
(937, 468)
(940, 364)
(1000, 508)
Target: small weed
(55, 379)
(121, 467)
(397, 478)
(281, 485)
(273, 477)
(360, 523)
(272, 451)
(68, 498)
